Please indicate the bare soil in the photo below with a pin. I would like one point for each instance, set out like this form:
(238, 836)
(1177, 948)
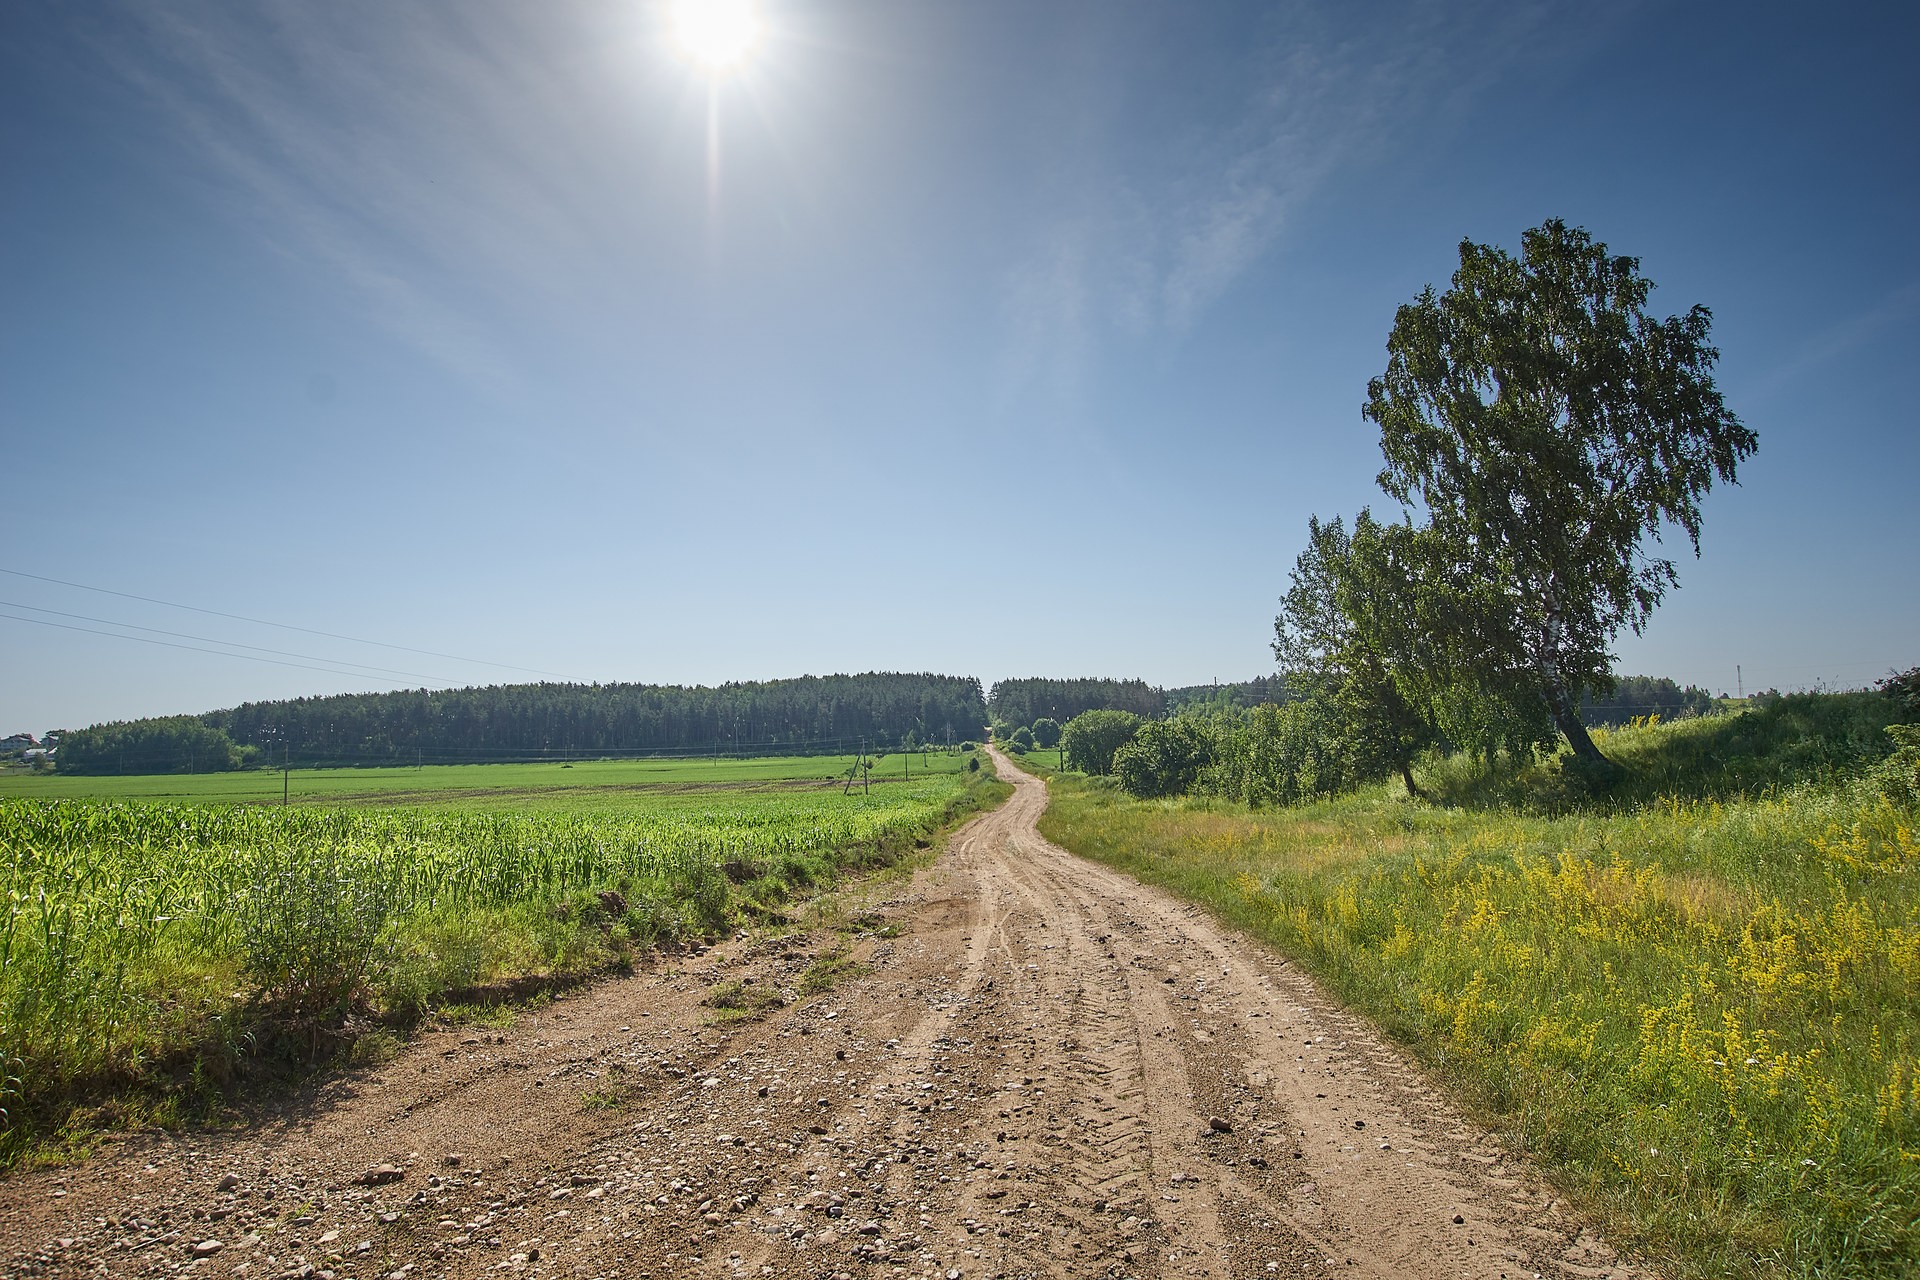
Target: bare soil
(1038, 1068)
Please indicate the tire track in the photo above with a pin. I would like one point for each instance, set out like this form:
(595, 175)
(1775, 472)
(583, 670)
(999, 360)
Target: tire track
(1051, 1072)
(1337, 1143)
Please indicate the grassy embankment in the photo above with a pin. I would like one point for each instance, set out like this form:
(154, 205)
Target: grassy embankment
(149, 952)
(1696, 1004)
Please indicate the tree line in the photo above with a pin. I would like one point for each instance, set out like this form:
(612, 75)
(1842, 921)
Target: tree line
(1024, 703)
(1256, 692)
(1302, 750)
(1014, 703)
(1640, 697)
(809, 714)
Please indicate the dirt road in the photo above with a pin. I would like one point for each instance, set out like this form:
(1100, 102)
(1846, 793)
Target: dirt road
(1049, 1071)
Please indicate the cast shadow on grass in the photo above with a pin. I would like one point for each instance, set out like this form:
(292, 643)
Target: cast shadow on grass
(1779, 742)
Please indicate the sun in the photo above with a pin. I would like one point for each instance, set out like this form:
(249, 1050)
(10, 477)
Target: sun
(718, 35)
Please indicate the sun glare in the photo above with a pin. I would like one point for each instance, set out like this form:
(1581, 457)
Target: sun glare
(717, 34)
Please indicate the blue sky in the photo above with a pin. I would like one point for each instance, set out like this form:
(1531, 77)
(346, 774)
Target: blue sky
(989, 338)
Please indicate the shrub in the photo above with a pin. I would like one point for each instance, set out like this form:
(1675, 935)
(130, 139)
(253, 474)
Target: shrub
(1898, 776)
(1903, 689)
(1046, 732)
(1278, 755)
(1021, 741)
(1092, 737)
(1164, 758)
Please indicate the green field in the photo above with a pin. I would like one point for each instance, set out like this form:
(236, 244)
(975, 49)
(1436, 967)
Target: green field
(154, 947)
(590, 782)
(1700, 1011)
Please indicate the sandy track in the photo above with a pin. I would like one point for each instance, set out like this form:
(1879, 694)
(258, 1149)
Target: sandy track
(1053, 1071)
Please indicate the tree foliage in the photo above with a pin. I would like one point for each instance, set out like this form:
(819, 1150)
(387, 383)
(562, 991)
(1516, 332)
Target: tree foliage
(1018, 702)
(1239, 693)
(1902, 688)
(169, 744)
(1046, 732)
(503, 722)
(1551, 428)
(1091, 738)
(1641, 696)
(1362, 629)
(1280, 754)
(1164, 757)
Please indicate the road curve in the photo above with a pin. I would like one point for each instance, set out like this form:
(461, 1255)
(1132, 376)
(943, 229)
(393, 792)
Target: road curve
(1041, 1068)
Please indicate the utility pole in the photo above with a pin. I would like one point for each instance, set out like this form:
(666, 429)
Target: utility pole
(286, 775)
(1739, 680)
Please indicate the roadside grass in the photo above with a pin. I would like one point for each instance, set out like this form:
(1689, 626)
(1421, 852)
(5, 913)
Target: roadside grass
(155, 956)
(375, 1048)
(1700, 1011)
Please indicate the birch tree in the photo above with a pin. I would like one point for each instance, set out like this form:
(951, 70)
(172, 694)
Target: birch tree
(1553, 431)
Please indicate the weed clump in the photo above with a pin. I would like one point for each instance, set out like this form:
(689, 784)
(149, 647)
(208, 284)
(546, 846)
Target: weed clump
(311, 923)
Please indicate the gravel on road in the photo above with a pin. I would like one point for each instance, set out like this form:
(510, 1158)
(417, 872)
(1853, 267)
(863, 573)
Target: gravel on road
(1032, 1067)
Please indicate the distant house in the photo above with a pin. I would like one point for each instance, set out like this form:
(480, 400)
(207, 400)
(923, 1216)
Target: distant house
(38, 757)
(18, 742)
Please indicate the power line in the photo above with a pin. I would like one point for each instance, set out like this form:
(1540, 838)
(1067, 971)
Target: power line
(284, 626)
(449, 755)
(221, 653)
(767, 747)
(181, 635)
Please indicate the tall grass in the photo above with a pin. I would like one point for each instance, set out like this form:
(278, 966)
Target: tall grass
(1790, 741)
(1702, 1012)
(136, 937)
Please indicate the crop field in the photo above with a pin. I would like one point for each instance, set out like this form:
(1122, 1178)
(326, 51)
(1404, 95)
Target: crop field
(1703, 1014)
(147, 939)
(566, 784)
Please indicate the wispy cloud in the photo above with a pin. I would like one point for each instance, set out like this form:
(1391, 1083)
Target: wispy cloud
(1836, 340)
(417, 154)
(1159, 239)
